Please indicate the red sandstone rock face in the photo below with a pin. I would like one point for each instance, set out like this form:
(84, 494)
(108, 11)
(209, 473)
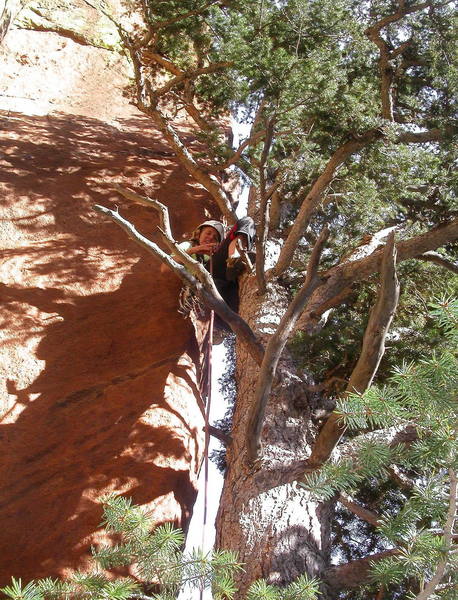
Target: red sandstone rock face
(98, 389)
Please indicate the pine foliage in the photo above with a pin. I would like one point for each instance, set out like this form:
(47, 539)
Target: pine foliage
(423, 396)
(155, 557)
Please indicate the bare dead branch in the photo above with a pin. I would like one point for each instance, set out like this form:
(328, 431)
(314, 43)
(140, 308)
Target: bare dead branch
(358, 510)
(208, 181)
(372, 351)
(276, 345)
(193, 274)
(341, 278)
(438, 259)
(435, 580)
(147, 201)
(379, 322)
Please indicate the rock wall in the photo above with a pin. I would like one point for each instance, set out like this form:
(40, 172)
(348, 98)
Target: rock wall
(98, 388)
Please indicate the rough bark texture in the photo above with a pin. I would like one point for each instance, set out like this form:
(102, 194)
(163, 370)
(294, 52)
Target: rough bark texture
(281, 533)
(99, 384)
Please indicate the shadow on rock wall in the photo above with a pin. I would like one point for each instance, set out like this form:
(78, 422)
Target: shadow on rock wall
(112, 405)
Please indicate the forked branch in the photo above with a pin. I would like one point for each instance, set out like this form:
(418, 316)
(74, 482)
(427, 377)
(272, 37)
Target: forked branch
(315, 194)
(191, 271)
(372, 351)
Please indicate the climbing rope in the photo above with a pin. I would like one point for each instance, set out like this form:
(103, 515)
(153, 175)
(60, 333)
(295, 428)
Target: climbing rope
(208, 356)
(207, 420)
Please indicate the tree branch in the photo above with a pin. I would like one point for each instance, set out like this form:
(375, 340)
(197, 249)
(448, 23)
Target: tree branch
(209, 182)
(223, 437)
(379, 322)
(341, 278)
(10, 11)
(435, 580)
(282, 472)
(185, 75)
(313, 198)
(438, 259)
(431, 135)
(358, 510)
(191, 272)
(372, 351)
(264, 209)
(253, 139)
(355, 573)
(276, 345)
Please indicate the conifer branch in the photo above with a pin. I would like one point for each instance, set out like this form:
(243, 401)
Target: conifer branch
(435, 134)
(435, 580)
(252, 140)
(379, 322)
(355, 573)
(439, 259)
(264, 210)
(189, 75)
(341, 278)
(314, 196)
(358, 510)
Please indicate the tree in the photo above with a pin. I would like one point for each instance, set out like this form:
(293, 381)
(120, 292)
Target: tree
(418, 529)
(349, 160)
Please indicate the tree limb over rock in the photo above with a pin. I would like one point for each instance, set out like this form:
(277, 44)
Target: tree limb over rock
(191, 271)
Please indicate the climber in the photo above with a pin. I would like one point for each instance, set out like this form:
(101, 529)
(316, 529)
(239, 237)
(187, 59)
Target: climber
(229, 254)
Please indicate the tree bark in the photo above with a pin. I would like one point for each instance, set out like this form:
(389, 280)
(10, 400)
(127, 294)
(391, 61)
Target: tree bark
(280, 533)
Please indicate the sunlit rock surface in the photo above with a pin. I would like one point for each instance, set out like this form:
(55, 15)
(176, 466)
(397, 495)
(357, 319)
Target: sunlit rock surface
(98, 388)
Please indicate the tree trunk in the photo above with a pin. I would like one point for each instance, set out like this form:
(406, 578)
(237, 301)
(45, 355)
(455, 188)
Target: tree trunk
(282, 533)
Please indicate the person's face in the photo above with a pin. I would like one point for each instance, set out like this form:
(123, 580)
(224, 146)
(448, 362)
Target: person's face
(208, 235)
